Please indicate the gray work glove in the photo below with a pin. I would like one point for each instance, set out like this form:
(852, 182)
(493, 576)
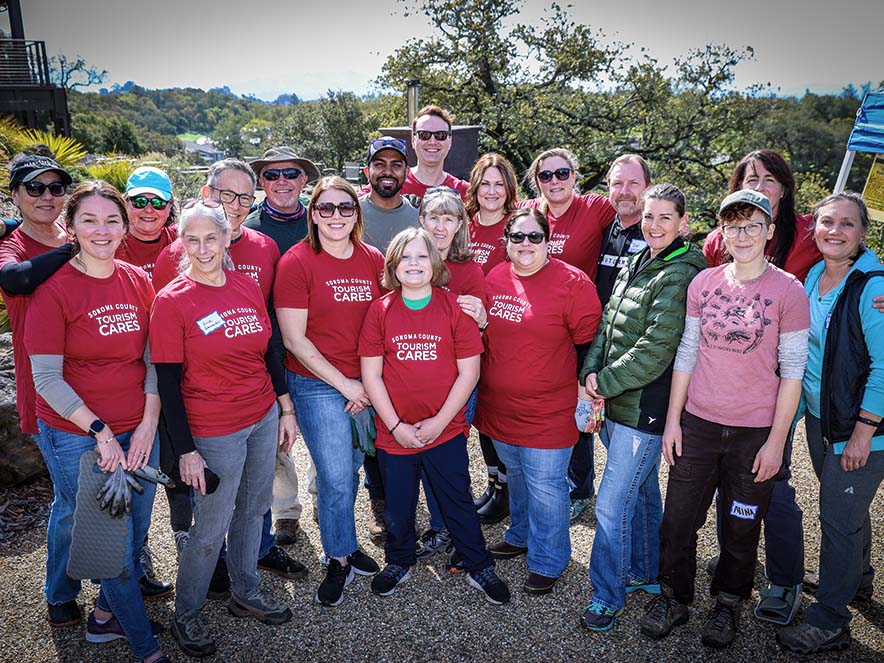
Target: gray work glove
(152, 474)
(364, 431)
(116, 493)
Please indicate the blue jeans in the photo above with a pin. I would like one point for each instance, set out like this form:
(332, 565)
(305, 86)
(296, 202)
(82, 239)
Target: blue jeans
(326, 430)
(539, 503)
(629, 510)
(121, 595)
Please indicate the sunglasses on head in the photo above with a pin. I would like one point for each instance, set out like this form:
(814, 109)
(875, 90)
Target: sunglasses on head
(438, 135)
(272, 174)
(535, 237)
(379, 144)
(36, 189)
(327, 210)
(440, 190)
(140, 202)
(561, 174)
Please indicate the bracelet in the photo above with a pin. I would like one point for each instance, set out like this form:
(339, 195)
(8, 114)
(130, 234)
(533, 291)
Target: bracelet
(868, 422)
(112, 437)
(396, 426)
(285, 413)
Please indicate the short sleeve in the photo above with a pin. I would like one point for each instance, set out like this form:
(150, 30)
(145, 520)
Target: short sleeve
(291, 287)
(712, 248)
(475, 285)
(45, 324)
(166, 332)
(584, 310)
(795, 312)
(692, 309)
(602, 208)
(371, 337)
(165, 268)
(467, 339)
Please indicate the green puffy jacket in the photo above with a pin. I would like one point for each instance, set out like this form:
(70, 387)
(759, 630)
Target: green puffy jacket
(634, 347)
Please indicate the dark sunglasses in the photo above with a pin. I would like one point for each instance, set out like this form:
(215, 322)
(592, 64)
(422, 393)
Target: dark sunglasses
(534, 237)
(561, 174)
(327, 210)
(438, 135)
(272, 174)
(140, 202)
(36, 189)
(379, 144)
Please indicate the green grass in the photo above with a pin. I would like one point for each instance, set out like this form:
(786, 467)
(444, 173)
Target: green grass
(190, 136)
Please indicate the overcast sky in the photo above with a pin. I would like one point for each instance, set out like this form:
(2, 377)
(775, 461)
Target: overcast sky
(270, 47)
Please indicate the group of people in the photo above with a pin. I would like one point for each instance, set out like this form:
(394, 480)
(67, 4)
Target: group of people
(383, 324)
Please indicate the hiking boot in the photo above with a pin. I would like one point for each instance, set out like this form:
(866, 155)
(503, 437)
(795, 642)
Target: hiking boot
(180, 541)
(151, 588)
(662, 614)
(490, 584)
(432, 542)
(806, 639)
(192, 635)
(219, 585)
(64, 614)
(377, 526)
(597, 617)
(537, 584)
(577, 508)
(112, 630)
(337, 577)
(722, 623)
(260, 606)
(488, 494)
(646, 586)
(504, 550)
(385, 582)
(278, 561)
(498, 507)
(146, 559)
(286, 530)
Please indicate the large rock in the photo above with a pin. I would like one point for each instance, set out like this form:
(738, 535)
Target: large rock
(21, 459)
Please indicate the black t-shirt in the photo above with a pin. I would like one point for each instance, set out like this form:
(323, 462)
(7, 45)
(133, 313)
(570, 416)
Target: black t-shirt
(617, 245)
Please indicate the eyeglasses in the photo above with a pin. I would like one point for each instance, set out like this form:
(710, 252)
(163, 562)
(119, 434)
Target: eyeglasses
(140, 202)
(438, 135)
(561, 174)
(36, 189)
(272, 174)
(327, 210)
(228, 196)
(535, 237)
(751, 230)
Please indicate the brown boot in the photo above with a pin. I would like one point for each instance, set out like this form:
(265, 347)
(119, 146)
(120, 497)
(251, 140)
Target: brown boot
(377, 527)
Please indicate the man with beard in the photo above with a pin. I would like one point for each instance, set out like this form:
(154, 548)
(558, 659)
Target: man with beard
(384, 211)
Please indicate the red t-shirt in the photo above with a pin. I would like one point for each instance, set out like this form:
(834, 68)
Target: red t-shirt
(803, 255)
(576, 236)
(253, 253)
(420, 351)
(487, 243)
(528, 387)
(467, 278)
(336, 293)
(220, 335)
(144, 254)
(18, 247)
(100, 327)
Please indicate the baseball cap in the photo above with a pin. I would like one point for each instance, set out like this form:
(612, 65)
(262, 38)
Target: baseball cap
(31, 166)
(386, 143)
(148, 179)
(749, 197)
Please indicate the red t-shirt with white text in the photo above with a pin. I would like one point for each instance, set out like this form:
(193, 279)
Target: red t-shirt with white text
(220, 335)
(487, 243)
(100, 326)
(336, 293)
(145, 254)
(420, 351)
(528, 386)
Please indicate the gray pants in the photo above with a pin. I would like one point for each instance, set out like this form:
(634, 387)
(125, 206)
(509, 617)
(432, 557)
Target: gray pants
(846, 545)
(244, 462)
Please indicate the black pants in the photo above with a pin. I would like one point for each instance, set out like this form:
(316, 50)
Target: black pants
(713, 457)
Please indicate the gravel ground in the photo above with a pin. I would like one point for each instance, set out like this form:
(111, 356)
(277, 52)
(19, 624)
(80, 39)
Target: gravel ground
(434, 617)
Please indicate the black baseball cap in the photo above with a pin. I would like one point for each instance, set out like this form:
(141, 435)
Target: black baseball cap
(31, 166)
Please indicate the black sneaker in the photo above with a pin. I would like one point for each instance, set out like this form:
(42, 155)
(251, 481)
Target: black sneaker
(362, 564)
(337, 577)
(219, 585)
(493, 587)
(64, 614)
(278, 561)
(722, 623)
(385, 582)
(112, 630)
(192, 635)
(432, 542)
(151, 588)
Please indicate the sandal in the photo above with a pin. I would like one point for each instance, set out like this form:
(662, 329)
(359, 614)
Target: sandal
(778, 605)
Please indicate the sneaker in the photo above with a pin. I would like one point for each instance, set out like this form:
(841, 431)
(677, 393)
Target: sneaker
(64, 614)
(490, 584)
(455, 562)
(260, 606)
(722, 623)
(219, 585)
(662, 614)
(647, 587)
(192, 635)
(278, 561)
(286, 530)
(504, 550)
(806, 639)
(180, 542)
(146, 560)
(577, 508)
(151, 588)
(432, 542)
(337, 577)
(597, 617)
(385, 582)
(362, 564)
(377, 526)
(112, 630)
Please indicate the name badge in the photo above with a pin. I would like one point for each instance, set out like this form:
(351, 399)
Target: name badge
(210, 323)
(636, 245)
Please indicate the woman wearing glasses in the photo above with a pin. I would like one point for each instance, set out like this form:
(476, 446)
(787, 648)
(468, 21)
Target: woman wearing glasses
(542, 313)
(576, 221)
(152, 211)
(324, 285)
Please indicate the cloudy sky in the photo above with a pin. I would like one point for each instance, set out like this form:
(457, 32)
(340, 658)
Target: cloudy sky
(269, 47)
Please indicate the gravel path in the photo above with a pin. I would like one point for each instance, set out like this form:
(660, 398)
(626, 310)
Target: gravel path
(434, 617)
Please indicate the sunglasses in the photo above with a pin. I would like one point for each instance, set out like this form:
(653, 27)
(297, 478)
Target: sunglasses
(140, 202)
(272, 174)
(534, 237)
(228, 196)
(561, 174)
(36, 189)
(379, 144)
(438, 135)
(327, 210)
(441, 190)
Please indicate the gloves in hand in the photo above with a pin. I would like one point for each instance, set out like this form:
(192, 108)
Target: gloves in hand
(116, 493)
(364, 431)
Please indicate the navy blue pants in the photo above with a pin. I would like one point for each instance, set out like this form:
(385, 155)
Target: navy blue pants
(581, 468)
(446, 468)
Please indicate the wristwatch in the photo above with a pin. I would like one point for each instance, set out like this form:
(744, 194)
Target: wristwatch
(96, 427)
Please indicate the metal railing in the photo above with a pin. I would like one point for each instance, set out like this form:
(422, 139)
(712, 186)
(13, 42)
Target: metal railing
(23, 62)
